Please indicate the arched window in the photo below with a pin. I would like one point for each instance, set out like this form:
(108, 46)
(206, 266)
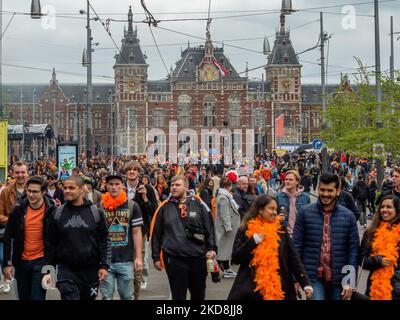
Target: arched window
(210, 118)
(158, 118)
(235, 109)
(184, 111)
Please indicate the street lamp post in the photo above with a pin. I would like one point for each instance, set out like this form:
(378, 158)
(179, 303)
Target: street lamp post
(88, 63)
(54, 119)
(21, 121)
(33, 107)
(379, 123)
(112, 128)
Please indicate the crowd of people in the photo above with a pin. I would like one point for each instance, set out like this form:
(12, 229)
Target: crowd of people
(289, 227)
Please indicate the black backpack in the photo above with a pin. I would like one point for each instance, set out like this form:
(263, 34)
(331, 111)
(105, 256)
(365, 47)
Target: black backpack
(362, 191)
(93, 209)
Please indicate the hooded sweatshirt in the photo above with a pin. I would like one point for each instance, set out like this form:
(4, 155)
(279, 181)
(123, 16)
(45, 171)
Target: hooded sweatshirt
(75, 240)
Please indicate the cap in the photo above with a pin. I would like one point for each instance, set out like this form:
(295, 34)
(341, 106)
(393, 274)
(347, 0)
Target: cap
(115, 175)
(88, 180)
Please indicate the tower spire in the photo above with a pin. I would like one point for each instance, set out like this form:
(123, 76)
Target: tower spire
(209, 50)
(53, 76)
(130, 20)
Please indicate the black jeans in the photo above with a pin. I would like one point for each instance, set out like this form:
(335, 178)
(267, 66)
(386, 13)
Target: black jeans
(184, 274)
(362, 206)
(29, 280)
(82, 284)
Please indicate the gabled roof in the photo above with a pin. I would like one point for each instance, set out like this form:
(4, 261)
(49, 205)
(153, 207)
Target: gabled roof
(191, 57)
(131, 53)
(13, 92)
(159, 86)
(283, 52)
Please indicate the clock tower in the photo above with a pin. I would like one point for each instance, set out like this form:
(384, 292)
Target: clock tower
(283, 72)
(130, 90)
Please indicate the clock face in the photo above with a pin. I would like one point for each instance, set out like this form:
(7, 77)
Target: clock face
(132, 84)
(286, 85)
(209, 73)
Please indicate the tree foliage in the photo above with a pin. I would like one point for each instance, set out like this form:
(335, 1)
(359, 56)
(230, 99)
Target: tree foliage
(351, 116)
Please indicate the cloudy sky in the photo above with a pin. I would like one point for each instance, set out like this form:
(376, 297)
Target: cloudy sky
(31, 48)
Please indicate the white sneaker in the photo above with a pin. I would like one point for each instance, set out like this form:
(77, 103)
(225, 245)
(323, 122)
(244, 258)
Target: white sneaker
(7, 286)
(143, 284)
(229, 273)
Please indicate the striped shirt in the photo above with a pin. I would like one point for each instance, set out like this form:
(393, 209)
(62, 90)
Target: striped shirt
(325, 264)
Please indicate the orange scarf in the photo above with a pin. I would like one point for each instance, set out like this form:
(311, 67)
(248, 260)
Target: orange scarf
(265, 258)
(111, 203)
(386, 244)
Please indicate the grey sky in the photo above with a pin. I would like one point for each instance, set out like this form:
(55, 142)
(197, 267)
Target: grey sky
(27, 43)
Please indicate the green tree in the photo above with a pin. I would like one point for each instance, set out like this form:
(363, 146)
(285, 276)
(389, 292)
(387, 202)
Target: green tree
(351, 116)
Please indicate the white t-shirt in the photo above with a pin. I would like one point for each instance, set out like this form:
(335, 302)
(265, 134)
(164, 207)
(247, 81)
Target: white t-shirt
(51, 192)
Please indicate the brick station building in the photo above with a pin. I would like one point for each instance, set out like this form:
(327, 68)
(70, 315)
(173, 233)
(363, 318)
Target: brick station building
(196, 95)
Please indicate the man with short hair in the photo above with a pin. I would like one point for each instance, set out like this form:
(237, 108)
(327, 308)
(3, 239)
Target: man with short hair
(146, 198)
(25, 238)
(53, 192)
(75, 172)
(91, 194)
(346, 200)
(326, 239)
(395, 190)
(182, 236)
(240, 195)
(9, 197)
(124, 221)
(77, 243)
(360, 194)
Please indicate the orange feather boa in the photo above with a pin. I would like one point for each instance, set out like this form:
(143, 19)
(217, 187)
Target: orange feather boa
(265, 258)
(386, 244)
(111, 203)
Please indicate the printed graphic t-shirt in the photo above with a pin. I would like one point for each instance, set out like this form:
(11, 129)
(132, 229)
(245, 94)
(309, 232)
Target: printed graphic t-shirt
(120, 223)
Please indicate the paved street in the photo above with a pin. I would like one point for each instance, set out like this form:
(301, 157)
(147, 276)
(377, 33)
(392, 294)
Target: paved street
(158, 288)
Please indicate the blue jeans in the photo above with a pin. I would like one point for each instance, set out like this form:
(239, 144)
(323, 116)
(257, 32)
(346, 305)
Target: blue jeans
(123, 273)
(325, 290)
(29, 280)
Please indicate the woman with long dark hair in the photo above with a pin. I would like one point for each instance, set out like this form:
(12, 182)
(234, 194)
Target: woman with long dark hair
(267, 257)
(205, 191)
(162, 188)
(380, 251)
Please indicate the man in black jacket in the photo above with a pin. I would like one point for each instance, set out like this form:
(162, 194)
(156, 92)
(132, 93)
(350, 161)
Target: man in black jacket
(145, 197)
(183, 230)
(240, 195)
(360, 194)
(24, 240)
(77, 242)
(392, 187)
(53, 192)
(346, 200)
